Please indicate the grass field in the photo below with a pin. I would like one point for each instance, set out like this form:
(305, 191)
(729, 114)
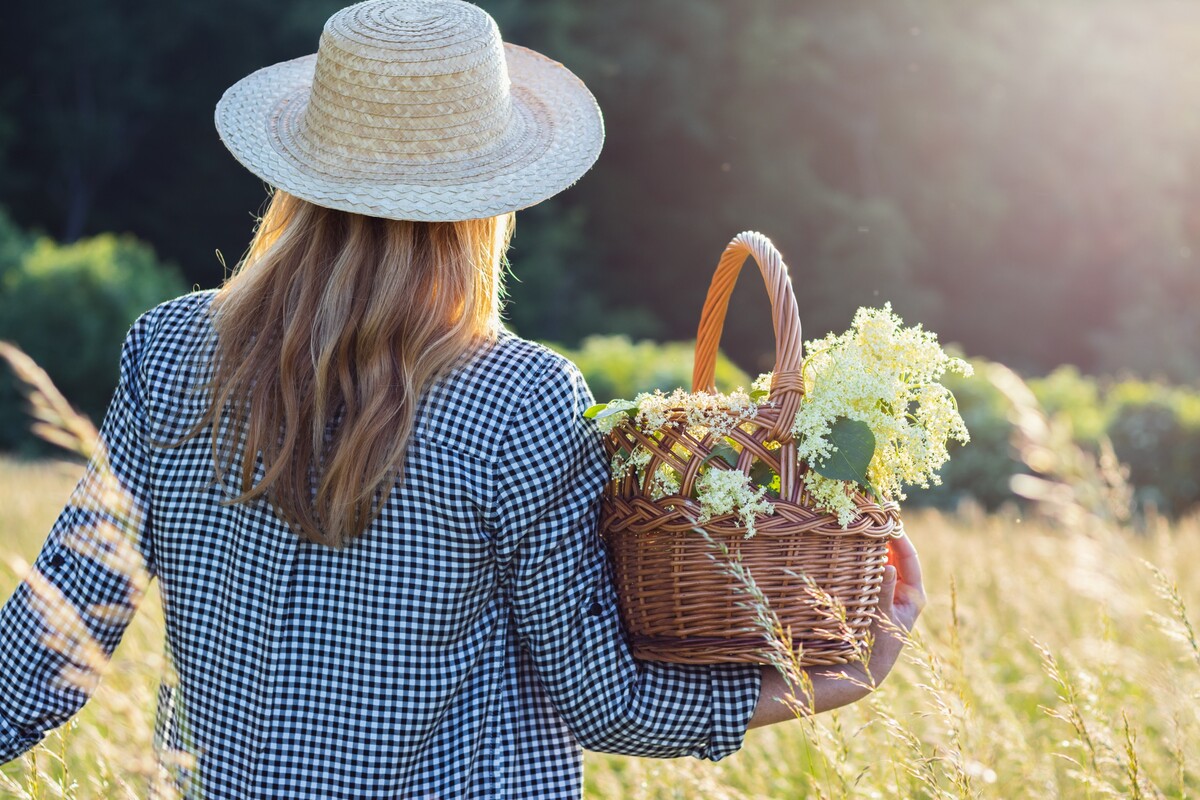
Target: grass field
(1049, 663)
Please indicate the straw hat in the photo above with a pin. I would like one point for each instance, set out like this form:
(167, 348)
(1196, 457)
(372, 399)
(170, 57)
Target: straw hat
(414, 109)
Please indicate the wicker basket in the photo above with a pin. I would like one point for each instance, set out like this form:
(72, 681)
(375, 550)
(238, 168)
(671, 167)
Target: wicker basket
(677, 601)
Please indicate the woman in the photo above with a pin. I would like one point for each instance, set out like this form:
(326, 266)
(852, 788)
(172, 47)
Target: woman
(370, 509)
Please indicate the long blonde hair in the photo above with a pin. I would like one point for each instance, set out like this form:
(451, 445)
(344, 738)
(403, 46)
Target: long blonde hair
(327, 333)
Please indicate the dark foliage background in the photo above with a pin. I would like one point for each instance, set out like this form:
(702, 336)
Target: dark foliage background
(1020, 176)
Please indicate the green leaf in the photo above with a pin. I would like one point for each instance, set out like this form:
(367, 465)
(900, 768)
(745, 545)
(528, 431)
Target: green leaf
(612, 407)
(759, 394)
(853, 447)
(761, 474)
(724, 452)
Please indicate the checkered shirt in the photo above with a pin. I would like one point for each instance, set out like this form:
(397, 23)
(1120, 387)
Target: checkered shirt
(465, 646)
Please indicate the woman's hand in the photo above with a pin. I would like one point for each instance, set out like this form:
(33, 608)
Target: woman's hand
(901, 600)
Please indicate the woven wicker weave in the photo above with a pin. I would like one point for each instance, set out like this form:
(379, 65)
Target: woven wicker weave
(678, 603)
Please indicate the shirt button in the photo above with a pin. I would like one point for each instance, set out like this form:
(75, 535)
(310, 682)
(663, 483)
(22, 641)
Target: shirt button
(595, 610)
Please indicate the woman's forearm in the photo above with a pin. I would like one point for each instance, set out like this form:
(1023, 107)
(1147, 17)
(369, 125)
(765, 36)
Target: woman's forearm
(830, 687)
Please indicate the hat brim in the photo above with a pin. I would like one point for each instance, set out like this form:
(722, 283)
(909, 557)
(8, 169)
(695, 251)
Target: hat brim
(556, 135)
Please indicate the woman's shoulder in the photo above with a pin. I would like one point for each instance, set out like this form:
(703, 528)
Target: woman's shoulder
(514, 367)
(183, 309)
(512, 377)
(176, 322)
(168, 349)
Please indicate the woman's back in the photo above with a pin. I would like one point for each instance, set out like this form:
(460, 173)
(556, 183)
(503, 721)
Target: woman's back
(460, 647)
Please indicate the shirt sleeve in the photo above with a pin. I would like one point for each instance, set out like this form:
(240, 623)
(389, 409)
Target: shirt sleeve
(62, 623)
(553, 469)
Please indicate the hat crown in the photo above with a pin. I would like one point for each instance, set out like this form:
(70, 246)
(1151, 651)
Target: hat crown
(416, 110)
(423, 80)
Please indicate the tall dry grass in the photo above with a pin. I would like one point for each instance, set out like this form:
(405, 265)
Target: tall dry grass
(112, 752)
(1048, 664)
(1058, 657)
(107, 750)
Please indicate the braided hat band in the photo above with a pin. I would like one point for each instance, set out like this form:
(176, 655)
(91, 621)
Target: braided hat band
(414, 109)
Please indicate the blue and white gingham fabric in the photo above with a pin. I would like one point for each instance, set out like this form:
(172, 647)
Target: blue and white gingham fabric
(465, 646)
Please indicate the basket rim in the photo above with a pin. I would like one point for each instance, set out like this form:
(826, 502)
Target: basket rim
(874, 521)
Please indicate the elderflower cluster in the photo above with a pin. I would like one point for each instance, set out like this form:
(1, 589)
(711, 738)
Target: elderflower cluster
(836, 497)
(608, 423)
(726, 491)
(664, 483)
(625, 462)
(707, 417)
(701, 412)
(887, 376)
(717, 414)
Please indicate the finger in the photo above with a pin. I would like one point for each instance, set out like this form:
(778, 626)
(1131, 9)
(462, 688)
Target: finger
(887, 592)
(903, 555)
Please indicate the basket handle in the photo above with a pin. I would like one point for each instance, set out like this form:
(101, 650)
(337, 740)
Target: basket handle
(787, 386)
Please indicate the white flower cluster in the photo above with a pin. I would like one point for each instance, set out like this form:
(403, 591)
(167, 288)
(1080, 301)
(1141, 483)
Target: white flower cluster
(612, 417)
(664, 483)
(704, 415)
(878, 373)
(726, 491)
(717, 414)
(888, 377)
(836, 497)
(653, 411)
(623, 462)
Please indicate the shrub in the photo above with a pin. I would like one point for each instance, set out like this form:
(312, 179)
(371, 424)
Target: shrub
(1068, 394)
(616, 367)
(1161, 451)
(14, 243)
(69, 307)
(980, 470)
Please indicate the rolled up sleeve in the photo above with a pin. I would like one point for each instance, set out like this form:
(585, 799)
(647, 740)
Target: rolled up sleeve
(64, 620)
(552, 472)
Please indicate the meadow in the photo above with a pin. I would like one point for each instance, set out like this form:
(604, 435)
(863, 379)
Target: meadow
(1051, 662)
